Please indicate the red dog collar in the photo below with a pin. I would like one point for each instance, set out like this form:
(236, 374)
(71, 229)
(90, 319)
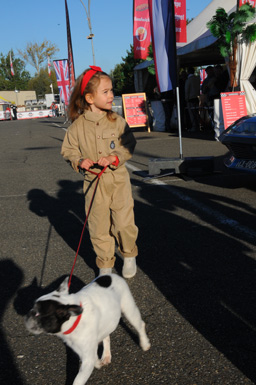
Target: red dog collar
(70, 330)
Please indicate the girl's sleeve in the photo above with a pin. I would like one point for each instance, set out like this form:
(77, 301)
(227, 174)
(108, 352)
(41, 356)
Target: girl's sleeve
(127, 143)
(70, 149)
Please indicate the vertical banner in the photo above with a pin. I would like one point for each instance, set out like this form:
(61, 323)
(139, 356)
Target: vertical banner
(70, 52)
(62, 75)
(180, 21)
(141, 29)
(12, 70)
(49, 67)
(251, 2)
(164, 43)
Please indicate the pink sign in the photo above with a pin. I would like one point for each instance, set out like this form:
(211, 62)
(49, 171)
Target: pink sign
(180, 21)
(141, 29)
(134, 106)
(233, 107)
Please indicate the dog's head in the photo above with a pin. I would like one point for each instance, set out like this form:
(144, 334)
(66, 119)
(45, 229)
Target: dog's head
(49, 313)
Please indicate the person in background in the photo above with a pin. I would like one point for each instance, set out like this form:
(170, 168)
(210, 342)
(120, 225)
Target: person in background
(182, 81)
(53, 108)
(209, 89)
(14, 111)
(192, 93)
(56, 108)
(222, 79)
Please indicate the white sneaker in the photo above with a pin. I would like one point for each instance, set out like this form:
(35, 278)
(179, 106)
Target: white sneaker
(105, 271)
(129, 267)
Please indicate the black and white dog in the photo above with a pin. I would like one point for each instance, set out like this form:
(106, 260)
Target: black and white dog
(86, 318)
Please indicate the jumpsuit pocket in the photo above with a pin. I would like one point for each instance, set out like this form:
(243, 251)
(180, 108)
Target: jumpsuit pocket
(110, 140)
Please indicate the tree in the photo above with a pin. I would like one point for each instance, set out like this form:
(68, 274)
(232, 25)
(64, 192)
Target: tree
(7, 80)
(41, 83)
(36, 54)
(230, 30)
(123, 74)
(151, 67)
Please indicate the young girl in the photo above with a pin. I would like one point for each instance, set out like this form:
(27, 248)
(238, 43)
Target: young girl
(98, 137)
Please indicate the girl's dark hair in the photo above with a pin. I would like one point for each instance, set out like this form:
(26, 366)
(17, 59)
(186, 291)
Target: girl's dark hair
(78, 104)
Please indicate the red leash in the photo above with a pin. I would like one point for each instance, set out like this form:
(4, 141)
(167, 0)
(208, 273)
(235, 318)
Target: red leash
(89, 209)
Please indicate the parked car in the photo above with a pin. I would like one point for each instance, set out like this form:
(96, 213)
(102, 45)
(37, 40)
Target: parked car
(240, 139)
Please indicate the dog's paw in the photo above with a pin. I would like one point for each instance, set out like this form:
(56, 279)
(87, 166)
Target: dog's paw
(145, 345)
(144, 341)
(102, 362)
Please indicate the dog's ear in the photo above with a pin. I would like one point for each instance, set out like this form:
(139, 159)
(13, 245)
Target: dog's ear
(75, 310)
(63, 288)
(64, 312)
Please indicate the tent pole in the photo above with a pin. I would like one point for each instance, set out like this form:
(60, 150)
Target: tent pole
(179, 165)
(179, 120)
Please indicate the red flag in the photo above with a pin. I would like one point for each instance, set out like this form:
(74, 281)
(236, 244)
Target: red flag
(70, 53)
(180, 21)
(251, 2)
(12, 70)
(141, 25)
(141, 29)
(49, 66)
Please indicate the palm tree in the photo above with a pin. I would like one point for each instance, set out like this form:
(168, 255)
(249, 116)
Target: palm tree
(230, 30)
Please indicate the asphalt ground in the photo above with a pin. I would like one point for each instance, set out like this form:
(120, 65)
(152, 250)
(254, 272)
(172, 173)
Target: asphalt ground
(195, 284)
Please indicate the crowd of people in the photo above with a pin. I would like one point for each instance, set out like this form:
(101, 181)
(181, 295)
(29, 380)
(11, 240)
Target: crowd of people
(216, 82)
(196, 98)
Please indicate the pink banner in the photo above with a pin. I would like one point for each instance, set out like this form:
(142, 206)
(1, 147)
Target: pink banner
(141, 29)
(180, 21)
(251, 2)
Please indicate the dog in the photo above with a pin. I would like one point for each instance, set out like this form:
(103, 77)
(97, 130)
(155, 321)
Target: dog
(87, 318)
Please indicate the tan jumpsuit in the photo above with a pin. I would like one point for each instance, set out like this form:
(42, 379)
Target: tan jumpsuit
(93, 136)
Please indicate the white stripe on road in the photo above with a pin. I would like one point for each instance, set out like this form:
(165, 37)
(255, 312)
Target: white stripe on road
(200, 206)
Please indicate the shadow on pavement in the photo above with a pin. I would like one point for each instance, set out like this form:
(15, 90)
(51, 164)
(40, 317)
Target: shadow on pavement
(11, 278)
(206, 274)
(66, 215)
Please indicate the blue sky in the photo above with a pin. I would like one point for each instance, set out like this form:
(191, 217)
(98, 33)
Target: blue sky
(24, 21)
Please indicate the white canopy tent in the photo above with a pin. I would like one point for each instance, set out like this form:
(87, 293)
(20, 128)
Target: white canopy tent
(4, 114)
(200, 41)
(246, 63)
(4, 101)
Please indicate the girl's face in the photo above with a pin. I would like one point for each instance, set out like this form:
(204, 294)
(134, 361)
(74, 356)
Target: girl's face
(103, 97)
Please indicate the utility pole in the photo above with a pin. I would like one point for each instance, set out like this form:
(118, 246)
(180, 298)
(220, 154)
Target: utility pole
(91, 36)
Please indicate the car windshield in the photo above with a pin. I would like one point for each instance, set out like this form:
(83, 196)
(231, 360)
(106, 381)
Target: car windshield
(243, 127)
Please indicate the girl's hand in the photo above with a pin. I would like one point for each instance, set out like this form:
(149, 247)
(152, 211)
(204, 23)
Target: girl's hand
(86, 163)
(106, 160)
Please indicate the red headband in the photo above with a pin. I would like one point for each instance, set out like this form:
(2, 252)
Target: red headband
(88, 75)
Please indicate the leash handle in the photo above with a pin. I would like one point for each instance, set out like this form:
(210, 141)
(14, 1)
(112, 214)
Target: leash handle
(98, 174)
